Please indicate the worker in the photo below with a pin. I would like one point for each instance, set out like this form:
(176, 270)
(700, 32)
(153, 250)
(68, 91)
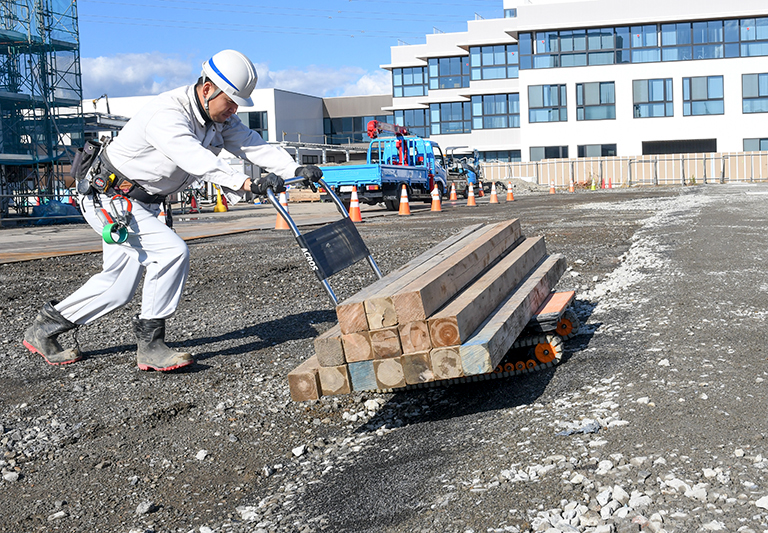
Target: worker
(169, 144)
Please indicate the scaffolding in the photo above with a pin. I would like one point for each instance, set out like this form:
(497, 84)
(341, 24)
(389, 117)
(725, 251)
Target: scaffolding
(41, 119)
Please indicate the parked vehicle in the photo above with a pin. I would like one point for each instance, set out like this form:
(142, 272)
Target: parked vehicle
(391, 162)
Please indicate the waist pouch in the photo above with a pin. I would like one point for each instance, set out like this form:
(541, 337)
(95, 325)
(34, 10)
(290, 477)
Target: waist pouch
(108, 180)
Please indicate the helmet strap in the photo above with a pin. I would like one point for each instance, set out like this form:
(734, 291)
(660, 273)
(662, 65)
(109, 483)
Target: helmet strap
(211, 97)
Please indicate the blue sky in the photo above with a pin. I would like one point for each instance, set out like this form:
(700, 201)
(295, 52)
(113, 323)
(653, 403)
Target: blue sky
(322, 48)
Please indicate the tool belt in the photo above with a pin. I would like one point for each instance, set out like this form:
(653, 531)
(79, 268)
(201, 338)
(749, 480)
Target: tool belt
(110, 181)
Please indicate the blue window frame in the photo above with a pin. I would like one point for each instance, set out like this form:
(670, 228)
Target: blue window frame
(411, 81)
(416, 120)
(494, 62)
(595, 101)
(345, 130)
(547, 103)
(652, 98)
(450, 117)
(754, 93)
(449, 72)
(495, 111)
(703, 95)
(645, 43)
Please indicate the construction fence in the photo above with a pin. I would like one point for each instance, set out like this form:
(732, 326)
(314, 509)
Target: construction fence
(668, 169)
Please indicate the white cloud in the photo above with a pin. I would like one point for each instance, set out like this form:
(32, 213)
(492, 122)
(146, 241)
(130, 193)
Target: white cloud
(153, 73)
(135, 74)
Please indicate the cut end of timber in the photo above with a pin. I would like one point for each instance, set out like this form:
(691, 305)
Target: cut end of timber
(389, 373)
(335, 380)
(444, 332)
(414, 337)
(351, 317)
(408, 307)
(446, 363)
(304, 381)
(380, 313)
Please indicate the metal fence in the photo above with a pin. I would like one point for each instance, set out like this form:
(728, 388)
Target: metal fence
(670, 169)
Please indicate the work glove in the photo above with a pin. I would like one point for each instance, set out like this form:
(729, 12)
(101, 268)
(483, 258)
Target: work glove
(270, 181)
(309, 172)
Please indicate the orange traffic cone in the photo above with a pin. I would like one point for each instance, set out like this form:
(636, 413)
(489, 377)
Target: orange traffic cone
(193, 205)
(405, 208)
(354, 207)
(551, 187)
(280, 222)
(494, 197)
(453, 196)
(436, 206)
(510, 196)
(480, 191)
(610, 185)
(471, 196)
(570, 186)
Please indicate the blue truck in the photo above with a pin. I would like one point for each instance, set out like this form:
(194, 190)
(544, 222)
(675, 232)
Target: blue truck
(391, 162)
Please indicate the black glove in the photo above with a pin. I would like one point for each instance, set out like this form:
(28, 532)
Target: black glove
(309, 172)
(270, 181)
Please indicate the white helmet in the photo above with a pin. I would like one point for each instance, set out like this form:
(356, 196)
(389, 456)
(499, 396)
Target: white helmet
(233, 74)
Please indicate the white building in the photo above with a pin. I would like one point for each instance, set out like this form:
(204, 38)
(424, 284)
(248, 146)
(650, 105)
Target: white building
(591, 78)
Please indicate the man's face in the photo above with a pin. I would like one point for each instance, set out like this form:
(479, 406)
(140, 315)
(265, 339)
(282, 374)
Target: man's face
(221, 107)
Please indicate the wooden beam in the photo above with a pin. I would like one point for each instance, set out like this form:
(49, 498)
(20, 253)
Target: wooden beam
(351, 312)
(328, 347)
(446, 362)
(362, 375)
(488, 345)
(417, 368)
(385, 343)
(357, 346)
(457, 320)
(304, 381)
(334, 380)
(427, 293)
(379, 307)
(389, 373)
(414, 337)
(549, 313)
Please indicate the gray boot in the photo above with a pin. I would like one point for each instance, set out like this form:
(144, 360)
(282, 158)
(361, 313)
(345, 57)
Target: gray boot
(152, 353)
(41, 336)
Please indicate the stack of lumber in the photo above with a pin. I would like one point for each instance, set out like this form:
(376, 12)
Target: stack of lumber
(451, 312)
(303, 195)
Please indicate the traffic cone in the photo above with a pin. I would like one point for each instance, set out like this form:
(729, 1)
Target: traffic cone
(220, 207)
(193, 205)
(494, 197)
(480, 191)
(471, 196)
(280, 222)
(510, 196)
(436, 206)
(453, 196)
(354, 207)
(570, 186)
(405, 208)
(551, 187)
(610, 185)
(593, 185)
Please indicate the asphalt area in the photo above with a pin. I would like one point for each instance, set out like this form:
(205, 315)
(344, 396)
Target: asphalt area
(654, 420)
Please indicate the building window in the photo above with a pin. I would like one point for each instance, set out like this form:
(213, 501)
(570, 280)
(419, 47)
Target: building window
(703, 95)
(449, 72)
(494, 111)
(510, 13)
(506, 156)
(310, 159)
(257, 121)
(494, 62)
(416, 120)
(410, 81)
(452, 117)
(596, 150)
(547, 103)
(548, 152)
(347, 130)
(645, 43)
(754, 93)
(595, 101)
(652, 98)
(756, 145)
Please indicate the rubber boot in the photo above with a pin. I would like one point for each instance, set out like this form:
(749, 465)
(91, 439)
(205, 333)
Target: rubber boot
(41, 336)
(152, 352)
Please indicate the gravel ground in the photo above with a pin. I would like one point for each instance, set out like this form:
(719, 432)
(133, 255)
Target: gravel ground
(652, 422)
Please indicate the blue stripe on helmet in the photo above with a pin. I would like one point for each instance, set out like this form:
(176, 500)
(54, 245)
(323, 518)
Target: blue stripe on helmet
(223, 77)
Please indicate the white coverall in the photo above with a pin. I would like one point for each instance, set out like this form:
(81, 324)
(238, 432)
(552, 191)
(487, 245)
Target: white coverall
(165, 147)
